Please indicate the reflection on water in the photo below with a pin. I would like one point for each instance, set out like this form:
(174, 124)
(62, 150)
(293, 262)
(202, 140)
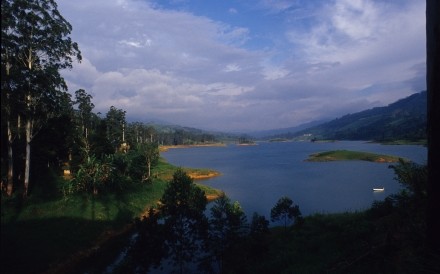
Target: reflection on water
(257, 176)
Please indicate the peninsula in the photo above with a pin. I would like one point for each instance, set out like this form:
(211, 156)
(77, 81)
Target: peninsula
(348, 155)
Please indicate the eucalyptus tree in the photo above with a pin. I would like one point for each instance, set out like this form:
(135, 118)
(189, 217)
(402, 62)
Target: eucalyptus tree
(150, 133)
(53, 144)
(99, 143)
(134, 133)
(85, 108)
(84, 118)
(140, 133)
(6, 95)
(115, 120)
(9, 95)
(151, 153)
(38, 43)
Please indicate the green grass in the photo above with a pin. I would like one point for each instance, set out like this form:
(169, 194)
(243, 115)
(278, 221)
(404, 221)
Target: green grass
(347, 155)
(42, 231)
(39, 234)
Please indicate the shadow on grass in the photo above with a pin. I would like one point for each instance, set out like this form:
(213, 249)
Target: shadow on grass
(35, 246)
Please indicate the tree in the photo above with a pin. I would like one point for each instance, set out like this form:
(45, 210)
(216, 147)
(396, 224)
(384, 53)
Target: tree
(151, 153)
(100, 145)
(92, 175)
(53, 143)
(413, 177)
(38, 44)
(259, 225)
(134, 131)
(115, 120)
(85, 108)
(149, 132)
(182, 208)
(285, 210)
(6, 89)
(227, 228)
(148, 249)
(258, 240)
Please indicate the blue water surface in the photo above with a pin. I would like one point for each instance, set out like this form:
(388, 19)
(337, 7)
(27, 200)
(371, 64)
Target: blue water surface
(257, 176)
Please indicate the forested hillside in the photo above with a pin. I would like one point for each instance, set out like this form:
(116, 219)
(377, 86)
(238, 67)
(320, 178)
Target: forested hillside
(402, 120)
(46, 129)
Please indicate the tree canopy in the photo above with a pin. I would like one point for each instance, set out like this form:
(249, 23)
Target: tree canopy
(285, 210)
(182, 207)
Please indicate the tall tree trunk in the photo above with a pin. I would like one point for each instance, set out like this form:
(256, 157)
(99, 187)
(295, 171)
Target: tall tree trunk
(28, 156)
(433, 86)
(10, 177)
(149, 168)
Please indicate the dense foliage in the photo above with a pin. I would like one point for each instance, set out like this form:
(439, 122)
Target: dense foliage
(187, 240)
(388, 238)
(43, 128)
(35, 47)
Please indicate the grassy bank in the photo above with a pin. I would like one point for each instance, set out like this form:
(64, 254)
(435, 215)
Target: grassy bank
(166, 148)
(42, 231)
(347, 155)
(164, 171)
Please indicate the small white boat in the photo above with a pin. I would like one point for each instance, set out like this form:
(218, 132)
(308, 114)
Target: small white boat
(379, 189)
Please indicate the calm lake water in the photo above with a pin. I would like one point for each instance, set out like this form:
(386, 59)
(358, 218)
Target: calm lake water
(257, 176)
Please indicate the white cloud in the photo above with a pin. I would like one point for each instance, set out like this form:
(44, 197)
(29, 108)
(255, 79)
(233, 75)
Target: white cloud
(233, 11)
(355, 18)
(372, 43)
(274, 73)
(232, 67)
(350, 30)
(276, 5)
(193, 70)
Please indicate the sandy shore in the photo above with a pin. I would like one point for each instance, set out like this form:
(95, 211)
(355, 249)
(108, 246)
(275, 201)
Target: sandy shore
(196, 175)
(166, 148)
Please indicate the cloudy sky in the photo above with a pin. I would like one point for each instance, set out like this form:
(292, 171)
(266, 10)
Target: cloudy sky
(238, 65)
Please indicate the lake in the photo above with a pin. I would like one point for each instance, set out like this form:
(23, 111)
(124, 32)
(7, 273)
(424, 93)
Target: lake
(257, 176)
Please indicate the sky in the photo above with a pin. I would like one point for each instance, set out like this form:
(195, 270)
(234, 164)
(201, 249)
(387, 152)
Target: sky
(245, 65)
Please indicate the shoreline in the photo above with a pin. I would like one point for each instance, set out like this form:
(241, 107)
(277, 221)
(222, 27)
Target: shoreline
(165, 148)
(247, 144)
(195, 175)
(108, 237)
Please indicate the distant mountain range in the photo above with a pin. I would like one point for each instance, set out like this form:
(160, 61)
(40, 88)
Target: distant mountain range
(405, 119)
(290, 131)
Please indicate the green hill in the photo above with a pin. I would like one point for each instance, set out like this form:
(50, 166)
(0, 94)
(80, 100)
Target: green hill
(403, 120)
